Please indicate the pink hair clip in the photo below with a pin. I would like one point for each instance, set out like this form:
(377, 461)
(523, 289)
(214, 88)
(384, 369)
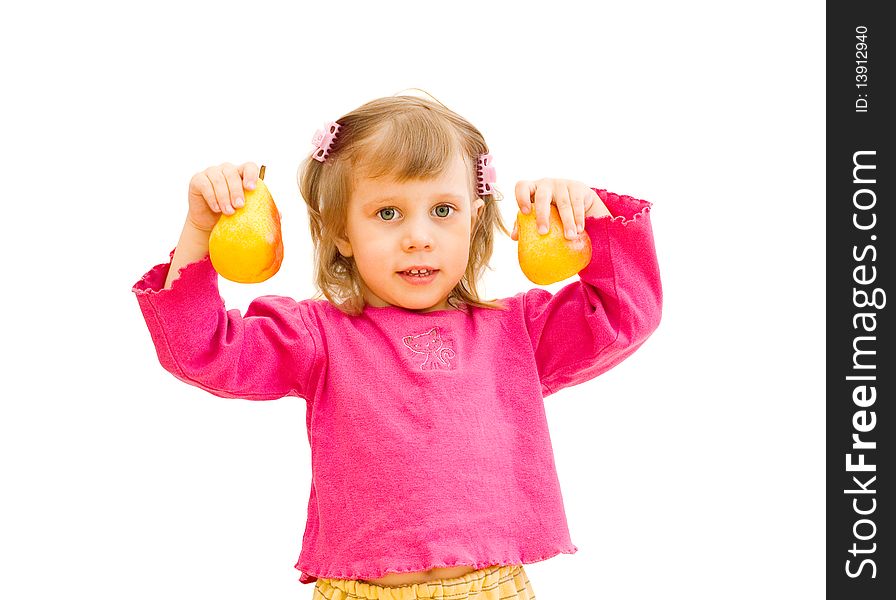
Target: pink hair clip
(485, 175)
(323, 140)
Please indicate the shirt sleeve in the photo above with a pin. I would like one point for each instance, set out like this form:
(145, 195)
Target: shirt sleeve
(592, 325)
(269, 353)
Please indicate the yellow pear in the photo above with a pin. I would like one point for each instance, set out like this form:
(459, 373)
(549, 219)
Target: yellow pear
(247, 246)
(550, 258)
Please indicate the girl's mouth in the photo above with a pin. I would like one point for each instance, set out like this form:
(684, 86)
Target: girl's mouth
(418, 276)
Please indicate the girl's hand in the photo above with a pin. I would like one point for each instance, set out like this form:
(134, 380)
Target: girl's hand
(574, 201)
(218, 189)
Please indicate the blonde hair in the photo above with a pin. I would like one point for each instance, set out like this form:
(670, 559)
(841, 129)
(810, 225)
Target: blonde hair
(405, 137)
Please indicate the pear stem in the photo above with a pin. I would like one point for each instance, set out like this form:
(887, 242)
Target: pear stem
(261, 172)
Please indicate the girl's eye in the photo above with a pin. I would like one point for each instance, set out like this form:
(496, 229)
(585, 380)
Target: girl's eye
(386, 214)
(443, 210)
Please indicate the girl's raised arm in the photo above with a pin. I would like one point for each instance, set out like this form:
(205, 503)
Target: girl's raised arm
(589, 326)
(269, 353)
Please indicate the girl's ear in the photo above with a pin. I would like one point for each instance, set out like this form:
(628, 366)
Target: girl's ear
(344, 246)
(478, 203)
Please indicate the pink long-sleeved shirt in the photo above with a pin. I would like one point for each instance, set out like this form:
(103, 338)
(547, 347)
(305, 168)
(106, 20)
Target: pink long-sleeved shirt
(429, 442)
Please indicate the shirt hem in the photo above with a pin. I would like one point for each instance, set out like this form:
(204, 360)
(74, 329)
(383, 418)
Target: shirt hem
(310, 574)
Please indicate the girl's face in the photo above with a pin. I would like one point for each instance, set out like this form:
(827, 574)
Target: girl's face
(393, 228)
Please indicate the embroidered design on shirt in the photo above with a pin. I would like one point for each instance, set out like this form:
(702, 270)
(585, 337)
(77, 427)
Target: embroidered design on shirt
(438, 354)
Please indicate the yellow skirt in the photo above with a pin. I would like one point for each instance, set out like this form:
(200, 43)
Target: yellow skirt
(491, 583)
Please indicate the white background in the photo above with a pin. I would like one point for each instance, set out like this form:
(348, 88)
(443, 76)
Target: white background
(692, 470)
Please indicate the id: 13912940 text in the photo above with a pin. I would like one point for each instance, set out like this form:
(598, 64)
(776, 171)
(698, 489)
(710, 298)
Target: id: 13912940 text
(862, 69)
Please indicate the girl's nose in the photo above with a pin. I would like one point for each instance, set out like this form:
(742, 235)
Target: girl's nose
(416, 238)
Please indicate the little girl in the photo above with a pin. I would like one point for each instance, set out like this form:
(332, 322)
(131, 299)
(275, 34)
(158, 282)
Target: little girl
(432, 469)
